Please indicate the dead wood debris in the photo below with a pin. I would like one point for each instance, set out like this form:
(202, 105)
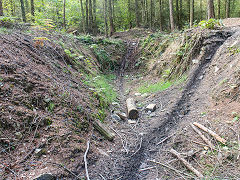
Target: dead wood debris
(187, 164)
(213, 134)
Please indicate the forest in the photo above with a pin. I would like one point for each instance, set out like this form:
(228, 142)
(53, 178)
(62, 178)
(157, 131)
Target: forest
(109, 16)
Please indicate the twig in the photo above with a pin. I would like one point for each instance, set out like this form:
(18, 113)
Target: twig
(137, 149)
(238, 147)
(210, 132)
(147, 168)
(15, 174)
(66, 169)
(199, 143)
(187, 164)
(85, 160)
(102, 176)
(203, 137)
(169, 167)
(162, 141)
(121, 140)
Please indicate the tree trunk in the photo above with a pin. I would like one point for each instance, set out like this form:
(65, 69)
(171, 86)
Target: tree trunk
(151, 14)
(177, 14)
(64, 14)
(137, 14)
(171, 14)
(160, 15)
(105, 18)
(1, 8)
(129, 14)
(23, 11)
(192, 13)
(180, 14)
(90, 25)
(112, 30)
(95, 28)
(32, 8)
(83, 17)
(201, 10)
(227, 8)
(211, 13)
(26, 6)
(188, 10)
(219, 9)
(87, 16)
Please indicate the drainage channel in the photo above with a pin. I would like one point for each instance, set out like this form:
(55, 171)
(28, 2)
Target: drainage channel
(130, 168)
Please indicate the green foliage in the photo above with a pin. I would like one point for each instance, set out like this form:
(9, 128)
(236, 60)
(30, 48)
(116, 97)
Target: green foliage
(6, 21)
(156, 87)
(102, 86)
(51, 106)
(161, 85)
(233, 50)
(104, 59)
(210, 24)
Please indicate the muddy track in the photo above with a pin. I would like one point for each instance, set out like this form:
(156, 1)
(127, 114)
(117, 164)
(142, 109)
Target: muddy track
(181, 108)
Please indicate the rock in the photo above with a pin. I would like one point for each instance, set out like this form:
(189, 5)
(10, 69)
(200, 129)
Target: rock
(123, 116)
(137, 94)
(216, 69)
(195, 61)
(46, 176)
(116, 104)
(131, 122)
(18, 135)
(116, 117)
(151, 107)
(144, 95)
(153, 114)
(200, 77)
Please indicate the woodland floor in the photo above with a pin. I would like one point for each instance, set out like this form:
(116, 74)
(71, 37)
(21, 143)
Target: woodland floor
(130, 156)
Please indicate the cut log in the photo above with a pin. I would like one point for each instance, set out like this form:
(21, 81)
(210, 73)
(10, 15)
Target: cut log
(213, 134)
(187, 164)
(104, 130)
(132, 109)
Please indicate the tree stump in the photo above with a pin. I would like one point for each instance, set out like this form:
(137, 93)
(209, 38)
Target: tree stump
(132, 109)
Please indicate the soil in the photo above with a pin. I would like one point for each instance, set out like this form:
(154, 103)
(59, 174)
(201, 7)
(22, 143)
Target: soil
(209, 97)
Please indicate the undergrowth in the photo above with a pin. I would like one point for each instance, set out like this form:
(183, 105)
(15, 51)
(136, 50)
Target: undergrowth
(160, 86)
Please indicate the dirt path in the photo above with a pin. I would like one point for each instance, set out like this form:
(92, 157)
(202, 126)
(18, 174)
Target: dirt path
(136, 144)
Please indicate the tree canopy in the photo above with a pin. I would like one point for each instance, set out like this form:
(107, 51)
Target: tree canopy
(107, 16)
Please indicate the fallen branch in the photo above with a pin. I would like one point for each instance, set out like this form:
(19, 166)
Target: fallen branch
(203, 137)
(85, 160)
(187, 164)
(210, 132)
(121, 140)
(162, 141)
(147, 168)
(169, 167)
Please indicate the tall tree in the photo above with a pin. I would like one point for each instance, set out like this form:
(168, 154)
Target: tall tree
(64, 14)
(211, 13)
(87, 28)
(171, 15)
(137, 13)
(1, 8)
(191, 13)
(95, 28)
(112, 28)
(177, 14)
(160, 15)
(32, 8)
(83, 17)
(26, 6)
(90, 17)
(219, 9)
(129, 14)
(23, 11)
(201, 10)
(227, 8)
(151, 13)
(105, 18)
